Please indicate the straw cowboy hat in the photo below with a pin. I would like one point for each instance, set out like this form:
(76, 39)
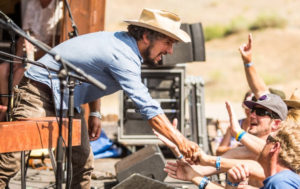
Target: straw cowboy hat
(161, 21)
(294, 101)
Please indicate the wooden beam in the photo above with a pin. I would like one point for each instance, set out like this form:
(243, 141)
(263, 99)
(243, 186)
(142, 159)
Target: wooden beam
(35, 133)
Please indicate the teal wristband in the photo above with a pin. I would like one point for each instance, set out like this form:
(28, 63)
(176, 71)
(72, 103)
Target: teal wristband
(232, 184)
(249, 64)
(218, 163)
(203, 183)
(241, 135)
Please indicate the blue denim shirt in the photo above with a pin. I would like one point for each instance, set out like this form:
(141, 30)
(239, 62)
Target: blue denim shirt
(113, 58)
(285, 179)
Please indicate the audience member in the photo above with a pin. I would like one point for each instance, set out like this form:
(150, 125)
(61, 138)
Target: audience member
(279, 159)
(266, 116)
(228, 141)
(258, 86)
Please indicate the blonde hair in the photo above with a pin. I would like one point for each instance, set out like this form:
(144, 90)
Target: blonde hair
(289, 138)
(293, 115)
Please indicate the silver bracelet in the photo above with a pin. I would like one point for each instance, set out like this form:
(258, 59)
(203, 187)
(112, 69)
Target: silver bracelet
(96, 114)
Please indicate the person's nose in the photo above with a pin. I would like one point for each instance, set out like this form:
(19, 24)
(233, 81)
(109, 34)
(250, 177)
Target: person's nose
(252, 114)
(170, 49)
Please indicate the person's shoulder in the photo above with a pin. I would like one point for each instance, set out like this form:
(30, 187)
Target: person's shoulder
(124, 36)
(284, 179)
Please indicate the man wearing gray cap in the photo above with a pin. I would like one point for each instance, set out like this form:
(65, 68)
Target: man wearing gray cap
(268, 108)
(266, 115)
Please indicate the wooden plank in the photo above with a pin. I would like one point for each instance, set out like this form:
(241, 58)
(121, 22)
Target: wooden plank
(88, 15)
(35, 133)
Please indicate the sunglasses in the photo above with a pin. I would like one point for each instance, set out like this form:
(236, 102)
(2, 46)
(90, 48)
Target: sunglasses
(262, 112)
(271, 139)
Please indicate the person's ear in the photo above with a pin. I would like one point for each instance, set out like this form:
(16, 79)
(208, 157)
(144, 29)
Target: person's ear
(276, 147)
(146, 39)
(276, 124)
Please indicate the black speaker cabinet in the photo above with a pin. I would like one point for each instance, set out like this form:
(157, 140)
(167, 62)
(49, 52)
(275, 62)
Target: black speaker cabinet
(149, 161)
(166, 86)
(187, 52)
(137, 181)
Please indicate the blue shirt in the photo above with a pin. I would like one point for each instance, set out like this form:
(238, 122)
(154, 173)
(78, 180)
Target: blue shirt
(113, 58)
(286, 179)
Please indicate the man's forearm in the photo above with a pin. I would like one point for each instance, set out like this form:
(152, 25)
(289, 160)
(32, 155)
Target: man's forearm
(95, 105)
(162, 124)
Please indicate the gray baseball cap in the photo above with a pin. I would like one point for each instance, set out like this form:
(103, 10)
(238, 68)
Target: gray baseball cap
(272, 102)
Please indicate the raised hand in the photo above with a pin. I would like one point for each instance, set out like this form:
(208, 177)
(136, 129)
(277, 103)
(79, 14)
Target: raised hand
(234, 124)
(245, 50)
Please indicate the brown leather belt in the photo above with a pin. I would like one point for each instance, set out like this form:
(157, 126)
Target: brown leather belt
(37, 84)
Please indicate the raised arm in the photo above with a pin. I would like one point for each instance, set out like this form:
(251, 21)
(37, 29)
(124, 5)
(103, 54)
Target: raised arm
(253, 143)
(255, 82)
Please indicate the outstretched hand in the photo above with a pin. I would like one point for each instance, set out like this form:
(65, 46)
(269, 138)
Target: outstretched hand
(167, 142)
(234, 124)
(199, 158)
(188, 148)
(245, 50)
(180, 170)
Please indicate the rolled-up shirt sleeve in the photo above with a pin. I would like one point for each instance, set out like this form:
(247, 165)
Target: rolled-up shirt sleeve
(129, 77)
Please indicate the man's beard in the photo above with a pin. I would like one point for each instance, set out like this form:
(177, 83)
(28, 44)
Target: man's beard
(147, 60)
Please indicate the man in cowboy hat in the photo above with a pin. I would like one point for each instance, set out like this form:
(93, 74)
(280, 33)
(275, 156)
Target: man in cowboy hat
(113, 58)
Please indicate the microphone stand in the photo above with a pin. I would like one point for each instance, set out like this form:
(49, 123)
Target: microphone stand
(71, 86)
(63, 76)
(65, 64)
(10, 77)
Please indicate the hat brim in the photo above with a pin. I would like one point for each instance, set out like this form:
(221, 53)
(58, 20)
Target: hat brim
(292, 103)
(179, 35)
(250, 104)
